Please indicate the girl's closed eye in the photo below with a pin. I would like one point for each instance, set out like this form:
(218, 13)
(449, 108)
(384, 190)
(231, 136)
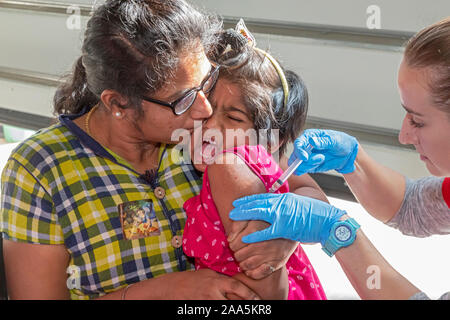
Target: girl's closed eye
(236, 114)
(234, 118)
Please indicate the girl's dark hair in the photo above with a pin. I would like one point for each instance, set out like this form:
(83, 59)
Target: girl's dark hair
(261, 87)
(430, 48)
(133, 47)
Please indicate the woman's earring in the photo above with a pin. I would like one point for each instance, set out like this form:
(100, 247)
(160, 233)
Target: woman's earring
(118, 114)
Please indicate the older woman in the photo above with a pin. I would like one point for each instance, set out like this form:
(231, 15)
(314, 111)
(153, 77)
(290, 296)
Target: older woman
(98, 190)
(418, 208)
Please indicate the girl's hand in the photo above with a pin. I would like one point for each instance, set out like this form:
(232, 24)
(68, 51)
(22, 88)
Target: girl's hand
(259, 260)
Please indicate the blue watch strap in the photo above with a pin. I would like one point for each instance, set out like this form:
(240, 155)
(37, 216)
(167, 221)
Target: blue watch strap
(333, 244)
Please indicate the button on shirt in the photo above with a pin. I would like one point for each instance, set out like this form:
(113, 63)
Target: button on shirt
(177, 241)
(61, 187)
(159, 192)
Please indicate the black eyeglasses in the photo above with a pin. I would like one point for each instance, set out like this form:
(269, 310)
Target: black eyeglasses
(183, 103)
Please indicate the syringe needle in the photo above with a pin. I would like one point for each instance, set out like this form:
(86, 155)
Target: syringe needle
(283, 178)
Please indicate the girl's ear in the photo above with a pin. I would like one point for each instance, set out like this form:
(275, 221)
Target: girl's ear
(274, 151)
(274, 146)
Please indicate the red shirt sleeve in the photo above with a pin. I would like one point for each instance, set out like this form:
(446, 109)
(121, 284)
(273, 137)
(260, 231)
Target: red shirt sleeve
(446, 191)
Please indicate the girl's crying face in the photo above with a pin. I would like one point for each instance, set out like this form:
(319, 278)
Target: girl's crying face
(229, 126)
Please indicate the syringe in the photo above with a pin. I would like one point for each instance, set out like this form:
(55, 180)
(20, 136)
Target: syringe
(294, 165)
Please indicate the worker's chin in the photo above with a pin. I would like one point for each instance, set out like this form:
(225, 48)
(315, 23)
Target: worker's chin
(435, 170)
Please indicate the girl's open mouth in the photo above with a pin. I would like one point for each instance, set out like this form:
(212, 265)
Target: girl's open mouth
(209, 150)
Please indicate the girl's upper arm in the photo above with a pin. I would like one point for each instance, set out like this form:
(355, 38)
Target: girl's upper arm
(229, 180)
(232, 180)
(36, 271)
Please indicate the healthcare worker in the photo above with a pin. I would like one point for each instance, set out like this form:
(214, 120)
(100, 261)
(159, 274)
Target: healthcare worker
(417, 208)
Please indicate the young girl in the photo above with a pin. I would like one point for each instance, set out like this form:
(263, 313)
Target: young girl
(252, 92)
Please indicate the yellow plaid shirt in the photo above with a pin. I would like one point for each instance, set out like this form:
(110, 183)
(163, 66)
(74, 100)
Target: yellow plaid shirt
(61, 187)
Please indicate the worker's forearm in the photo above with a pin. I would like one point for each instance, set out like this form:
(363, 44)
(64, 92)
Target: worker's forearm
(370, 274)
(379, 189)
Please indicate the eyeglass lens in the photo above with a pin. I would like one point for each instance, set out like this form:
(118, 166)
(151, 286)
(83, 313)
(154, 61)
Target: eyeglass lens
(189, 99)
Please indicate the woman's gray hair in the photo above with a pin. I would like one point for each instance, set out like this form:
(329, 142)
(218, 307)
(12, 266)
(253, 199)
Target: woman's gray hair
(133, 47)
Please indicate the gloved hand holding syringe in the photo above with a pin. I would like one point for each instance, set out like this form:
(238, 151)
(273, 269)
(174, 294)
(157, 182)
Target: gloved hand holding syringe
(289, 171)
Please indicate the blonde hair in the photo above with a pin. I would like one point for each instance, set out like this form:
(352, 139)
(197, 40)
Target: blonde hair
(430, 49)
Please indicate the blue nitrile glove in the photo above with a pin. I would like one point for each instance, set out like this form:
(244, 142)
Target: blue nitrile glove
(291, 217)
(332, 150)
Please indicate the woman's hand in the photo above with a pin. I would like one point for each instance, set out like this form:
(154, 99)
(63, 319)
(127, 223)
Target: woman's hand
(203, 284)
(332, 150)
(259, 260)
(206, 284)
(291, 217)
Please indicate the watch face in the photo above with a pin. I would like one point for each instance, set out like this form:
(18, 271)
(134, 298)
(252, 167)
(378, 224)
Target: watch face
(343, 233)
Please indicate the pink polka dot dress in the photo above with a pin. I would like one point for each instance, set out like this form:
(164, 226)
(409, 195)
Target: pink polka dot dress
(204, 236)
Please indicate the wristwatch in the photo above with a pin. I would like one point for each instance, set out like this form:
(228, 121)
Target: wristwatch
(342, 234)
